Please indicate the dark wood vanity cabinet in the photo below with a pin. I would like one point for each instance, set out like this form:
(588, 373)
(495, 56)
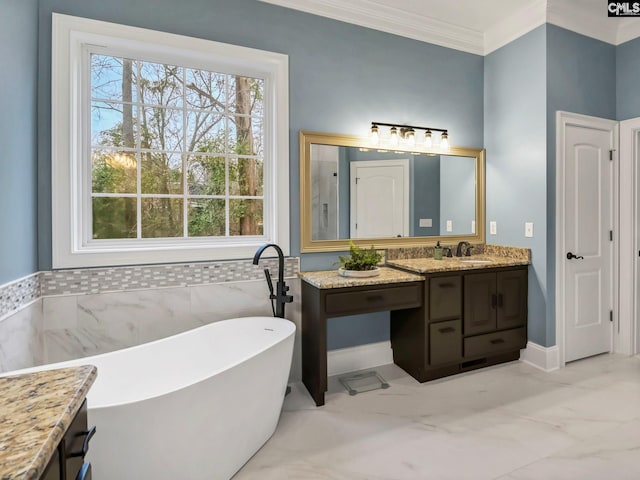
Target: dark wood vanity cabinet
(67, 461)
(468, 320)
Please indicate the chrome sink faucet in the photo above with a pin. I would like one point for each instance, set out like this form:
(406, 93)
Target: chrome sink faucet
(461, 245)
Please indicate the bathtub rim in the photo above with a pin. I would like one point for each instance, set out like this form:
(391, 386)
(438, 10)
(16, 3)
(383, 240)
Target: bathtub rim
(86, 361)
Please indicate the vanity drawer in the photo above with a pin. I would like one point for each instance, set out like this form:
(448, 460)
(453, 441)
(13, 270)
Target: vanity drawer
(374, 299)
(445, 342)
(445, 297)
(490, 343)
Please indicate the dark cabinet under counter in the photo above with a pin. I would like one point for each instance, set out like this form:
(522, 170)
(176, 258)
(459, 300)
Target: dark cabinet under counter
(442, 323)
(470, 319)
(68, 460)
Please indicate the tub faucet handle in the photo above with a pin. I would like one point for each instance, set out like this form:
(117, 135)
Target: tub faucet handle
(269, 283)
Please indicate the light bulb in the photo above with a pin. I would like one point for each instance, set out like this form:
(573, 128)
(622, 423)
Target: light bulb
(411, 138)
(428, 140)
(375, 138)
(394, 136)
(444, 141)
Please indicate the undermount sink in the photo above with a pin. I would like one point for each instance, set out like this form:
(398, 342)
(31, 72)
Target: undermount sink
(476, 261)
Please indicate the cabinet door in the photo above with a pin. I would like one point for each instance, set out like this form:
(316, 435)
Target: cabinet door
(445, 342)
(445, 297)
(52, 472)
(480, 302)
(512, 298)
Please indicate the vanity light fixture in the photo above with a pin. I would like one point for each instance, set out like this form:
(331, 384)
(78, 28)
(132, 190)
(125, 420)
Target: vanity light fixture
(393, 136)
(375, 138)
(406, 134)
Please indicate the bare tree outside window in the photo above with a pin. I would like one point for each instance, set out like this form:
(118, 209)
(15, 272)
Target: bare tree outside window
(176, 152)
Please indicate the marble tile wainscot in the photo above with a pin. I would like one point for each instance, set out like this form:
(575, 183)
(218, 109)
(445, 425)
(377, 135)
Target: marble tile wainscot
(91, 311)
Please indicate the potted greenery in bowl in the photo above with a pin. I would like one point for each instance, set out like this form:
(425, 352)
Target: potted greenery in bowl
(360, 262)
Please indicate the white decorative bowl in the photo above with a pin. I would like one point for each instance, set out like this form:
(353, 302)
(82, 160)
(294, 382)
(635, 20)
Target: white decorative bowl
(359, 273)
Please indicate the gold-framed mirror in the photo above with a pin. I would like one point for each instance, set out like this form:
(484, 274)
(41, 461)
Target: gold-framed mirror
(387, 198)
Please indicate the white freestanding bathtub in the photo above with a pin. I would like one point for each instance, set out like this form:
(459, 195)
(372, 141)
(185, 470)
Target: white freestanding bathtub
(193, 406)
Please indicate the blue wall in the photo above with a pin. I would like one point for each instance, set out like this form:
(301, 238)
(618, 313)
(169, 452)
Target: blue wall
(341, 78)
(627, 76)
(526, 83)
(18, 76)
(581, 78)
(515, 142)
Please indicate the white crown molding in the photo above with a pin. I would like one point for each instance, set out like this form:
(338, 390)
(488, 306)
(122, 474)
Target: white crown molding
(572, 15)
(575, 15)
(514, 26)
(392, 20)
(628, 29)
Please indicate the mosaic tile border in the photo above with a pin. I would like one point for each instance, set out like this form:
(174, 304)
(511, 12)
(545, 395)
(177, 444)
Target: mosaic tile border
(15, 295)
(137, 277)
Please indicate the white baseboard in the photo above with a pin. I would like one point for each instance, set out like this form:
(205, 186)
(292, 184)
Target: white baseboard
(350, 359)
(544, 358)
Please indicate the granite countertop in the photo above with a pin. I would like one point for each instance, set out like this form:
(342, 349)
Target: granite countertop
(36, 410)
(330, 278)
(430, 265)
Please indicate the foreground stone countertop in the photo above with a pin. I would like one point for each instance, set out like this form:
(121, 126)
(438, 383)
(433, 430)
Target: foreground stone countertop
(330, 278)
(36, 410)
(430, 265)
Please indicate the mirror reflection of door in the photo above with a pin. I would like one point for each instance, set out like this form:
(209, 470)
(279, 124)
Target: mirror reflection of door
(324, 191)
(379, 198)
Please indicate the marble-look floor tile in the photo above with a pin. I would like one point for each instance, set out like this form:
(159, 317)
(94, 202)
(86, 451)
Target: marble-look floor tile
(509, 422)
(613, 454)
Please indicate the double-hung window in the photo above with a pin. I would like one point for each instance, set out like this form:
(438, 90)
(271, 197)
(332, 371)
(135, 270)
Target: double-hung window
(165, 148)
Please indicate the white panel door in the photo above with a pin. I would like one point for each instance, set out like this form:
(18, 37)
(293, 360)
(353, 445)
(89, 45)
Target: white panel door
(379, 198)
(588, 221)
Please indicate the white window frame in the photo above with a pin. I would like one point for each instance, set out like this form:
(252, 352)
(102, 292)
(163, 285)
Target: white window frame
(71, 183)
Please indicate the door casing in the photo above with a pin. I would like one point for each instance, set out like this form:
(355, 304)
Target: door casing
(563, 119)
(628, 331)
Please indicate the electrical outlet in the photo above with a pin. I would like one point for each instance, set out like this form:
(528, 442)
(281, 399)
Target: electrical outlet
(426, 222)
(493, 228)
(473, 226)
(449, 226)
(528, 229)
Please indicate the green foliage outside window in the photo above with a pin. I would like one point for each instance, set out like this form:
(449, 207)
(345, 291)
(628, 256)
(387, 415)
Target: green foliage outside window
(169, 142)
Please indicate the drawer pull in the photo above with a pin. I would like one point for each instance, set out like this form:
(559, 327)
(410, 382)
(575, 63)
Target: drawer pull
(375, 298)
(446, 285)
(88, 434)
(446, 330)
(497, 341)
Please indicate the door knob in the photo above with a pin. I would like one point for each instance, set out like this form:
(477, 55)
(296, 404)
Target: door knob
(571, 256)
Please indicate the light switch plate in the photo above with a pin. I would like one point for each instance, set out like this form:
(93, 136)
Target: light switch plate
(426, 222)
(528, 229)
(449, 226)
(493, 228)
